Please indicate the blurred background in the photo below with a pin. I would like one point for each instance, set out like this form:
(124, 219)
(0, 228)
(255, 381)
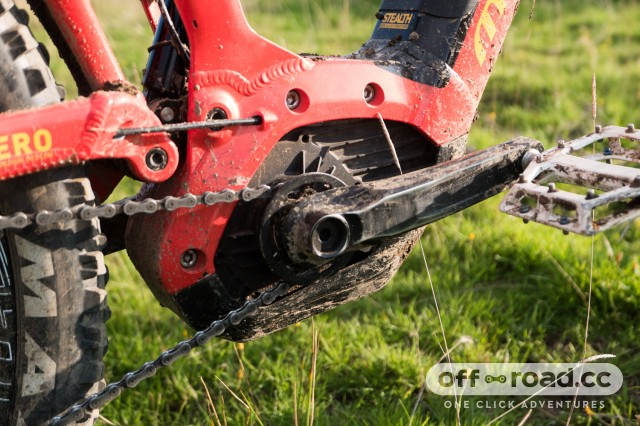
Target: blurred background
(508, 292)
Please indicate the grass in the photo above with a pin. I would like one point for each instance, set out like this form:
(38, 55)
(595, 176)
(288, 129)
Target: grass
(508, 292)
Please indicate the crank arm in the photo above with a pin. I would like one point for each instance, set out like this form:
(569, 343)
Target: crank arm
(328, 224)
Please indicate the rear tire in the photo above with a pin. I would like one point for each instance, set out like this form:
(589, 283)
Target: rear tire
(52, 298)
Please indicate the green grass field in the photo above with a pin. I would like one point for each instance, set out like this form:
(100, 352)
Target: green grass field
(507, 291)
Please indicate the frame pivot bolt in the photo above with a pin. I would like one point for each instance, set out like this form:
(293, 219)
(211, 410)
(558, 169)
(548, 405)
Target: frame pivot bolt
(293, 99)
(369, 93)
(157, 159)
(216, 114)
(167, 114)
(189, 259)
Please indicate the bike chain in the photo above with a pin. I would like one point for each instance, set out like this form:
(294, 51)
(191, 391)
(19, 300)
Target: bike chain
(149, 369)
(130, 207)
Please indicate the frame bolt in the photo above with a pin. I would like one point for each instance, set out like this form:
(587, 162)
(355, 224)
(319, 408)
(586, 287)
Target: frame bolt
(216, 114)
(189, 259)
(369, 93)
(293, 99)
(157, 159)
(167, 114)
(631, 128)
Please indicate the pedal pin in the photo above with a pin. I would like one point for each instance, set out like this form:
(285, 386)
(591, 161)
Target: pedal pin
(598, 129)
(591, 194)
(561, 144)
(607, 151)
(552, 187)
(631, 128)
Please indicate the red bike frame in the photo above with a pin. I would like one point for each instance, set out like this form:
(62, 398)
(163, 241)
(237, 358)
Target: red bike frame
(235, 70)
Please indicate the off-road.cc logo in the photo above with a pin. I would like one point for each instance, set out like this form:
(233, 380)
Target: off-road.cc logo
(597, 379)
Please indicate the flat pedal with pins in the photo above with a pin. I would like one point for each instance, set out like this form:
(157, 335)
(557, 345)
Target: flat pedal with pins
(583, 186)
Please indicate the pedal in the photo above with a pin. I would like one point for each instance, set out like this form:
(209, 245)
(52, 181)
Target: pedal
(584, 186)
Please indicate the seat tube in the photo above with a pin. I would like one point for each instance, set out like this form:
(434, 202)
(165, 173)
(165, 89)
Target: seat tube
(83, 33)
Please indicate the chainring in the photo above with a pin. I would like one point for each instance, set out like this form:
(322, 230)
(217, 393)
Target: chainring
(271, 244)
(352, 151)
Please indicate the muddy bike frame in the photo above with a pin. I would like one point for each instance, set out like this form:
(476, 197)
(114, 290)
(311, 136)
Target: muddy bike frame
(237, 72)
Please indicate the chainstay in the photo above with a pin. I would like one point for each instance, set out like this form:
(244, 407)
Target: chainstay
(149, 369)
(130, 207)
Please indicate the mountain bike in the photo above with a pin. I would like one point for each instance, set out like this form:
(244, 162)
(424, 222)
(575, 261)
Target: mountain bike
(276, 185)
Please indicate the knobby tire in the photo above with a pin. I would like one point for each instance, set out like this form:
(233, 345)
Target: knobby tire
(52, 298)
